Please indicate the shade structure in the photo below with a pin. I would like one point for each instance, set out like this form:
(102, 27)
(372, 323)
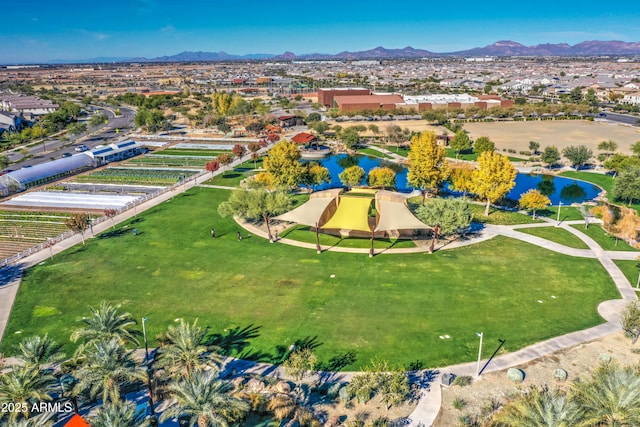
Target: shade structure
(308, 213)
(352, 214)
(396, 216)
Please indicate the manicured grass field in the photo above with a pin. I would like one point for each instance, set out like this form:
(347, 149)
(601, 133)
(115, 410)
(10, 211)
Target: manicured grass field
(500, 217)
(557, 235)
(373, 153)
(304, 234)
(631, 270)
(604, 181)
(391, 306)
(606, 241)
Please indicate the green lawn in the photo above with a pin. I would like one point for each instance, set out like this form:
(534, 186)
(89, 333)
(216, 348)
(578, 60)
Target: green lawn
(373, 153)
(567, 213)
(500, 217)
(557, 235)
(303, 233)
(231, 178)
(391, 306)
(631, 270)
(606, 241)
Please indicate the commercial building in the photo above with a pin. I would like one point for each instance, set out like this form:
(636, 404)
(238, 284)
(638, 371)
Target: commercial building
(326, 96)
(353, 103)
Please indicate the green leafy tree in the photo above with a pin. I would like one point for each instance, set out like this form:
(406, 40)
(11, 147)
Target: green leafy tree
(550, 155)
(590, 98)
(534, 147)
(483, 144)
(77, 128)
(352, 176)
(578, 155)
(428, 166)
(100, 118)
(533, 200)
(609, 147)
(627, 185)
(106, 369)
(494, 178)
(183, 352)
(350, 137)
(205, 401)
(4, 161)
(635, 147)
(609, 397)
(450, 215)
(319, 127)
(105, 323)
(313, 117)
(382, 177)
(256, 204)
(283, 164)
(460, 142)
(619, 162)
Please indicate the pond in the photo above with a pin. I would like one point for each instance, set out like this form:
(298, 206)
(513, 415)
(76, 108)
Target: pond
(558, 189)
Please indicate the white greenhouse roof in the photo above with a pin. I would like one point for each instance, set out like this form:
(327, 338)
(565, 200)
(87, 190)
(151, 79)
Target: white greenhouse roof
(52, 168)
(56, 199)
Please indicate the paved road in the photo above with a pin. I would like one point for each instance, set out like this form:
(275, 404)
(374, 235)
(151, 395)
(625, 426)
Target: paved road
(619, 118)
(54, 148)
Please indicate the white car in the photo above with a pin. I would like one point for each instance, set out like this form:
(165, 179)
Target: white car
(81, 148)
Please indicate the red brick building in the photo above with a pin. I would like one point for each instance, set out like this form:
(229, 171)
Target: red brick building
(356, 103)
(326, 96)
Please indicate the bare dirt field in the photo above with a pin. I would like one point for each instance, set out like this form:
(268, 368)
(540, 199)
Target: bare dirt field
(560, 133)
(494, 388)
(517, 135)
(412, 125)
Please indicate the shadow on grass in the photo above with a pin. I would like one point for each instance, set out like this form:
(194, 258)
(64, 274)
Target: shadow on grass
(114, 233)
(235, 340)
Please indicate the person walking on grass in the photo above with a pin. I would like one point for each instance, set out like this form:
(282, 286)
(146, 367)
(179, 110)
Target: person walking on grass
(239, 236)
(213, 233)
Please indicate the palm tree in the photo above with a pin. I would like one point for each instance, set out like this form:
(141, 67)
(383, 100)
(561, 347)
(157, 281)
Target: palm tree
(182, 351)
(118, 414)
(24, 385)
(610, 397)
(538, 408)
(106, 368)
(40, 420)
(204, 400)
(106, 322)
(35, 351)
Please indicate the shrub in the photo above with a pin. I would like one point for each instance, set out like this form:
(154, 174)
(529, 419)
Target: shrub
(459, 403)
(463, 380)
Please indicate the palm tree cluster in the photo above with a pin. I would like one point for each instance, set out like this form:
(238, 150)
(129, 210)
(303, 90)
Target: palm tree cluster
(608, 396)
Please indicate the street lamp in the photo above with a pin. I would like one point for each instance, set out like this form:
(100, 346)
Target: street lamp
(559, 207)
(144, 334)
(480, 334)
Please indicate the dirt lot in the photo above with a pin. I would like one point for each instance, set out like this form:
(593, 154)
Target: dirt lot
(561, 133)
(495, 386)
(517, 135)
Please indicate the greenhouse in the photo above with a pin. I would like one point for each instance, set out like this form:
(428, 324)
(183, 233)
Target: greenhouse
(42, 173)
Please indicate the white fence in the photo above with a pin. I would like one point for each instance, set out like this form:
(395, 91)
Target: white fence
(133, 205)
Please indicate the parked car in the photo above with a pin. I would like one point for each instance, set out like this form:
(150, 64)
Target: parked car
(81, 148)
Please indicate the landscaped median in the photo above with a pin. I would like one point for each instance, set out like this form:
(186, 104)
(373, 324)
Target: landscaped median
(395, 307)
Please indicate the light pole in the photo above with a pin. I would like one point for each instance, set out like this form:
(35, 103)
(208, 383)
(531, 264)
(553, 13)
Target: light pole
(638, 282)
(559, 207)
(144, 334)
(480, 334)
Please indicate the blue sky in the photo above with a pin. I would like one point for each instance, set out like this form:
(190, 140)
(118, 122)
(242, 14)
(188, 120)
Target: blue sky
(43, 30)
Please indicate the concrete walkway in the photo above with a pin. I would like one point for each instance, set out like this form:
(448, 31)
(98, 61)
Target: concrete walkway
(429, 404)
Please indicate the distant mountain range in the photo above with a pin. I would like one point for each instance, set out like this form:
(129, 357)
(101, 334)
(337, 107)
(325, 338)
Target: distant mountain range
(499, 48)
